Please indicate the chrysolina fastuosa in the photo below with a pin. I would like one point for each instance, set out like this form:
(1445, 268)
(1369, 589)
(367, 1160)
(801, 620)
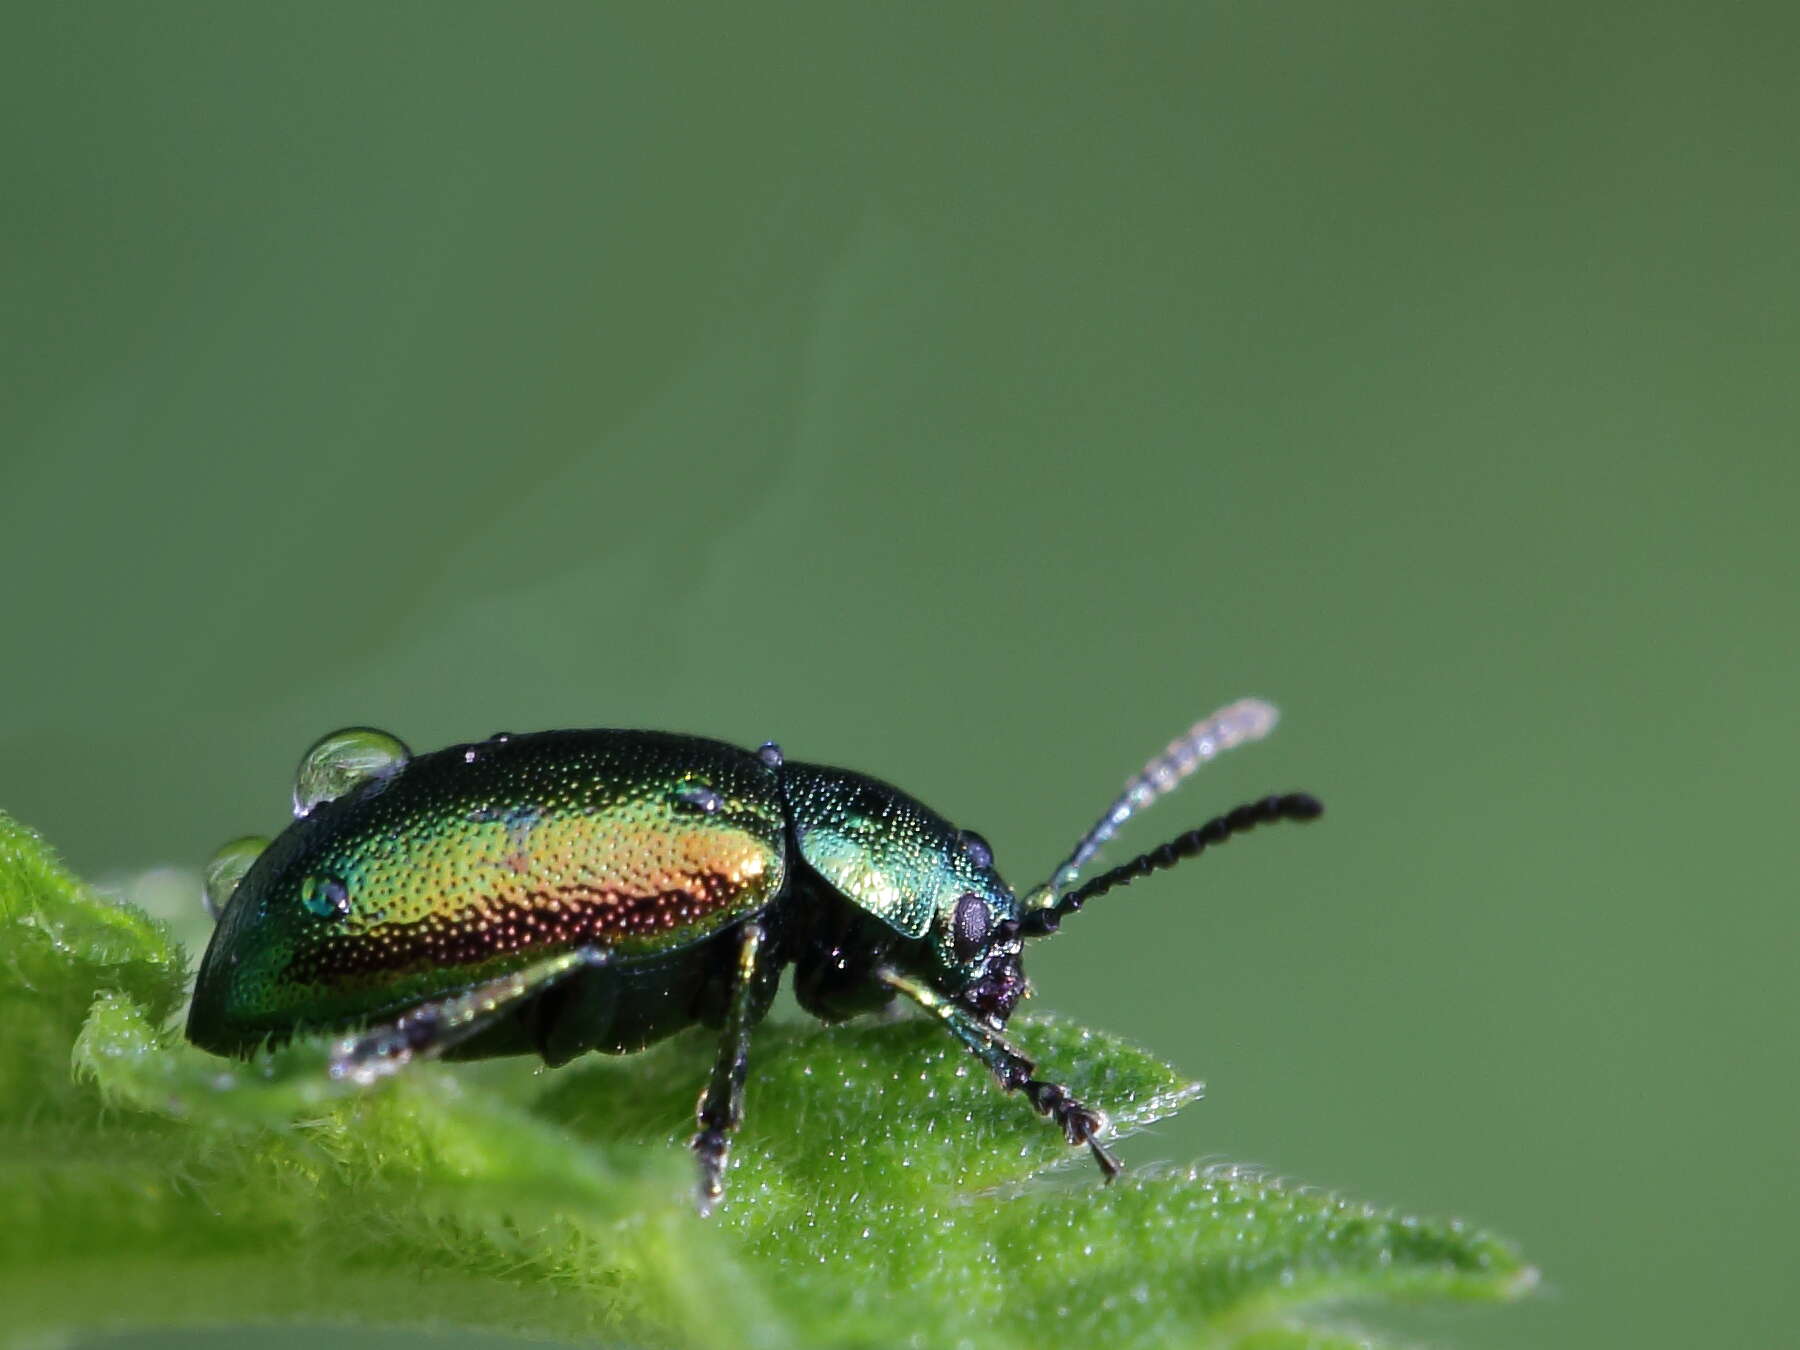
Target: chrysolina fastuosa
(567, 891)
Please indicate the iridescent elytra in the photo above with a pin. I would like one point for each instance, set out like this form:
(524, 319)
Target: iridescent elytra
(565, 891)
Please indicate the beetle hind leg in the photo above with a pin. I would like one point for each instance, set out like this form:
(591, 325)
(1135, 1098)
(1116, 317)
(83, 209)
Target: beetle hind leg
(431, 1029)
(1014, 1071)
(721, 1105)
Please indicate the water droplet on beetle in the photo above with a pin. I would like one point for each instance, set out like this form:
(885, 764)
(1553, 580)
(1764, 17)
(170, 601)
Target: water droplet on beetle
(338, 762)
(325, 895)
(700, 797)
(770, 753)
(225, 869)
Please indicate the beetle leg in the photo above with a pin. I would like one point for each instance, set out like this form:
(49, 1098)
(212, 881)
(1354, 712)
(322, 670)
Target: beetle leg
(432, 1028)
(1012, 1069)
(721, 1104)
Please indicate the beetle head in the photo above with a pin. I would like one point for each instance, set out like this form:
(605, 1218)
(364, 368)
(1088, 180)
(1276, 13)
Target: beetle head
(930, 883)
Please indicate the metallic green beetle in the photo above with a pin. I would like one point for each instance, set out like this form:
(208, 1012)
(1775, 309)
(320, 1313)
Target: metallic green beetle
(568, 891)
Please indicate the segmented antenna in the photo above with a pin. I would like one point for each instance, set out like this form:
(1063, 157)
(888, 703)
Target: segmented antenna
(1297, 806)
(1249, 719)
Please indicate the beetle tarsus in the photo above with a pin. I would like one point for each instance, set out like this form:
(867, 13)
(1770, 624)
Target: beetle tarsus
(1079, 1124)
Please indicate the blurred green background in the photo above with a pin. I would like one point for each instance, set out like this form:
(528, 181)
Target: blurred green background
(975, 397)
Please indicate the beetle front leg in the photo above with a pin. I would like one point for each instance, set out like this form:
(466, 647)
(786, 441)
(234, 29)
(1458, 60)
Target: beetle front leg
(721, 1105)
(432, 1028)
(1013, 1070)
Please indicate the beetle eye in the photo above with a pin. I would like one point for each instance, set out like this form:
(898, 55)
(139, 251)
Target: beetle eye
(970, 926)
(977, 849)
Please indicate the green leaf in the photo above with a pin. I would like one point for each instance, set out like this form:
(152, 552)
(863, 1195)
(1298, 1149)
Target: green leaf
(883, 1190)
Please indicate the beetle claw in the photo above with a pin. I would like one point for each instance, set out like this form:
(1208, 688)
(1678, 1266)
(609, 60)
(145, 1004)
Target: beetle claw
(1110, 1167)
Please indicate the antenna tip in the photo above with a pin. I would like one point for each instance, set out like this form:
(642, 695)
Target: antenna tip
(1249, 719)
(1302, 806)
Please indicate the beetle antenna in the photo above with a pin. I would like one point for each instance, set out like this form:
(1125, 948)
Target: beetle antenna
(1296, 806)
(1249, 719)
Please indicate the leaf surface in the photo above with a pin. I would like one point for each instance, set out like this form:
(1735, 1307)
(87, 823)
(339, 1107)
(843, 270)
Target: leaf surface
(883, 1190)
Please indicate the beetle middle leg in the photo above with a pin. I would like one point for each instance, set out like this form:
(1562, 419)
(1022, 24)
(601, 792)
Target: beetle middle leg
(1079, 1124)
(721, 1105)
(432, 1028)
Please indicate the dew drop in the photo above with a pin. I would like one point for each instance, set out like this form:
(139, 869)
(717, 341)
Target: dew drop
(770, 754)
(977, 848)
(338, 762)
(325, 895)
(225, 869)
